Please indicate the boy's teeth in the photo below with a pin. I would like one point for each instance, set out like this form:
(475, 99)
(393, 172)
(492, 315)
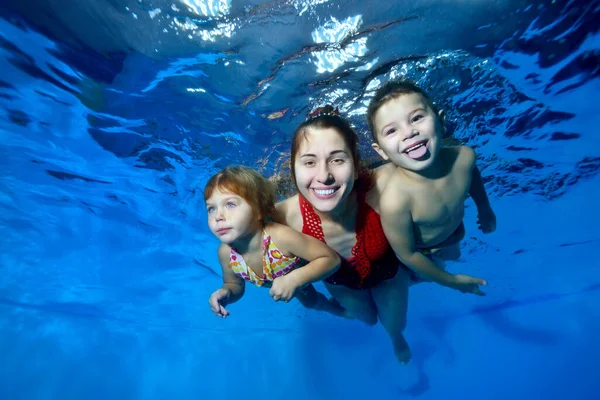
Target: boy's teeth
(415, 147)
(324, 192)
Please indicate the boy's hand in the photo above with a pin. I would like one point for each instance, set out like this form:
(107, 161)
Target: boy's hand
(284, 287)
(217, 302)
(486, 220)
(468, 284)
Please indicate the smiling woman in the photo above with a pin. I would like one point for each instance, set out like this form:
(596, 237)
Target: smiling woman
(336, 204)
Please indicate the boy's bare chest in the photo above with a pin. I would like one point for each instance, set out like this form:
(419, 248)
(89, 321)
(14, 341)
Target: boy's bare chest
(440, 203)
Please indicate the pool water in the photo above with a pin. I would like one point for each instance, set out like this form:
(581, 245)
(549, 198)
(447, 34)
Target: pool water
(113, 115)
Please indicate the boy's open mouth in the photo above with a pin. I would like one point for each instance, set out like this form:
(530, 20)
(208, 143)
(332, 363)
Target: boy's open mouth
(416, 150)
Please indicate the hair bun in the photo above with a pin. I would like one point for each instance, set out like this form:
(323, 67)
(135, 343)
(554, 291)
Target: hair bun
(324, 110)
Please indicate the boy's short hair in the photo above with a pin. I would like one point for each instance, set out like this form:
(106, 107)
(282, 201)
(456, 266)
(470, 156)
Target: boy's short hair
(390, 91)
(245, 182)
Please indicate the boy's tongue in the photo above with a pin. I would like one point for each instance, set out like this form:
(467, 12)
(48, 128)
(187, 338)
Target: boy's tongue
(417, 152)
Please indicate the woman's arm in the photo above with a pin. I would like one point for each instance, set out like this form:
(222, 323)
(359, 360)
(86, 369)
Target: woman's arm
(322, 260)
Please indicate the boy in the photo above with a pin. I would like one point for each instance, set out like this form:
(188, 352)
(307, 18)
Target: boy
(422, 204)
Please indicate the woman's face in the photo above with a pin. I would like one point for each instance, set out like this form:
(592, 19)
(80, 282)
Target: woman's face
(324, 168)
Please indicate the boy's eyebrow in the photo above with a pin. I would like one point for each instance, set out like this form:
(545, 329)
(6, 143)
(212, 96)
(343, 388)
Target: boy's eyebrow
(420, 108)
(386, 125)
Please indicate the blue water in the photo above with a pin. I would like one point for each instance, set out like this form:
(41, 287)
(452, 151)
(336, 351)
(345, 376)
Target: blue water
(114, 114)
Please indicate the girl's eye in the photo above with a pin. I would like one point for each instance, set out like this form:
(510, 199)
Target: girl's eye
(210, 210)
(231, 205)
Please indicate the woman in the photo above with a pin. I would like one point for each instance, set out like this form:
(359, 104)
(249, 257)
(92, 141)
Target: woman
(337, 203)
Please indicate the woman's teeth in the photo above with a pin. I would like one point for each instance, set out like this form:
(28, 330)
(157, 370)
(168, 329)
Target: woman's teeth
(324, 192)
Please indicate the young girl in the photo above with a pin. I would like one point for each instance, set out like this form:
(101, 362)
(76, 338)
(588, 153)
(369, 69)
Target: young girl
(240, 206)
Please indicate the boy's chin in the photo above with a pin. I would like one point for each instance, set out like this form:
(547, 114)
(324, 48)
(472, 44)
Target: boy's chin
(417, 165)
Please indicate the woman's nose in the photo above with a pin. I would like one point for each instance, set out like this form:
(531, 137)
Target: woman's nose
(325, 176)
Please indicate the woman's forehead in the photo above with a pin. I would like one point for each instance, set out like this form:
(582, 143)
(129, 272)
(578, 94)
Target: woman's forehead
(322, 140)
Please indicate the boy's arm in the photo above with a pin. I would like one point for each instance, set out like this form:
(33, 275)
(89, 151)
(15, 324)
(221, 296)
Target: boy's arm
(232, 284)
(477, 191)
(398, 228)
(486, 217)
(322, 260)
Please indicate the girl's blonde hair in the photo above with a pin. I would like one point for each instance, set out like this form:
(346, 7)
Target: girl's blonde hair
(245, 182)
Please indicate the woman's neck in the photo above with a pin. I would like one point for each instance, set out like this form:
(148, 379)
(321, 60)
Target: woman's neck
(344, 214)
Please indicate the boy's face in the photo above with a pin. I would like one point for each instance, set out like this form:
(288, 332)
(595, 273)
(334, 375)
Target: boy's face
(408, 132)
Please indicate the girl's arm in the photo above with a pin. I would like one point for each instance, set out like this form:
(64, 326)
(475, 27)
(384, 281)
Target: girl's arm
(322, 260)
(233, 285)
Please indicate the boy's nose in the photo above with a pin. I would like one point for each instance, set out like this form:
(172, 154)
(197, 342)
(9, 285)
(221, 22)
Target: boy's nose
(410, 133)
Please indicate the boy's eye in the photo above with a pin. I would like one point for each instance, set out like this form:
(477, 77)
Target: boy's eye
(417, 117)
(389, 131)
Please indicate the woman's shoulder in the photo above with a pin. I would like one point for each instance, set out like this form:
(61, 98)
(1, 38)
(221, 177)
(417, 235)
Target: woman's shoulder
(287, 211)
(286, 205)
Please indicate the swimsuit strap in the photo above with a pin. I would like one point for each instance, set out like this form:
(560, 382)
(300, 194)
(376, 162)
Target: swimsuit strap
(312, 225)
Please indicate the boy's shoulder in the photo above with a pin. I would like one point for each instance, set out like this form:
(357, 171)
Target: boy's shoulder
(458, 156)
(396, 195)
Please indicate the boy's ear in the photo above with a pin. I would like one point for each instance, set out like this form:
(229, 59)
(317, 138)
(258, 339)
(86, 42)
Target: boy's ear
(442, 116)
(381, 153)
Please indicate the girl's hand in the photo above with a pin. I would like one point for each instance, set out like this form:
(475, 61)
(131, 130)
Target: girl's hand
(218, 301)
(284, 287)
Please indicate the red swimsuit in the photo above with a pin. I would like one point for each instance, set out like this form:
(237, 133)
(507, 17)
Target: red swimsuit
(373, 259)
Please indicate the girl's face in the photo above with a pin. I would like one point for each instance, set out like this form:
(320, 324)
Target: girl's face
(230, 217)
(324, 169)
